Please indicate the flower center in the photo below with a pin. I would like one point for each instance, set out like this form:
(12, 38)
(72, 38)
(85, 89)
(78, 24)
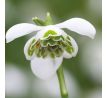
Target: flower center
(51, 45)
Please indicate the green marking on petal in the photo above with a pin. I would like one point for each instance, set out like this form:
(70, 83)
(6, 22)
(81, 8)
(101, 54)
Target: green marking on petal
(31, 47)
(68, 38)
(51, 42)
(50, 32)
(52, 45)
(44, 53)
(52, 55)
(69, 43)
(69, 49)
(58, 52)
(43, 43)
(58, 38)
(36, 50)
(39, 54)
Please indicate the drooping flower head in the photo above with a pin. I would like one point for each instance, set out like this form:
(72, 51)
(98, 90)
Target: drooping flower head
(51, 44)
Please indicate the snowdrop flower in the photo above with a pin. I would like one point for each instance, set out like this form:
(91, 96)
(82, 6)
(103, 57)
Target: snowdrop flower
(51, 44)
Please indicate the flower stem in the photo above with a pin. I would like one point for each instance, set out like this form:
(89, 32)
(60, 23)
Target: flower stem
(61, 79)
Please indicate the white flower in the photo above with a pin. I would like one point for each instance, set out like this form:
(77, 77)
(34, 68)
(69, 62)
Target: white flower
(51, 44)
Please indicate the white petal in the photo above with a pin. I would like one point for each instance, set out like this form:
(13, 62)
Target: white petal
(73, 54)
(41, 33)
(44, 68)
(19, 30)
(26, 49)
(80, 26)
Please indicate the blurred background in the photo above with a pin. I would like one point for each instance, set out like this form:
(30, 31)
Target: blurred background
(83, 73)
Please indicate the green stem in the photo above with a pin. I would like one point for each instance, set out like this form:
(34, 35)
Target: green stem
(61, 79)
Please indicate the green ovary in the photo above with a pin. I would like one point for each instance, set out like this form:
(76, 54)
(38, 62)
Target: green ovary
(52, 46)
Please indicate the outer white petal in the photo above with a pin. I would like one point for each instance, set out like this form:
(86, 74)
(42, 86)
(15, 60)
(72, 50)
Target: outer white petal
(41, 33)
(80, 26)
(26, 49)
(73, 54)
(44, 68)
(19, 30)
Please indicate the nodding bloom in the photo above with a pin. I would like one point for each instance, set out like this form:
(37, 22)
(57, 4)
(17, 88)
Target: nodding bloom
(51, 44)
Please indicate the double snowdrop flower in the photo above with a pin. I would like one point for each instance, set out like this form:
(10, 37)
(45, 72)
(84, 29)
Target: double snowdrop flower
(51, 44)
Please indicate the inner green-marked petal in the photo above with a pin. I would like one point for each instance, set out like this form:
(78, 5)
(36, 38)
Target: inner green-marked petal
(52, 46)
(49, 32)
(31, 47)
